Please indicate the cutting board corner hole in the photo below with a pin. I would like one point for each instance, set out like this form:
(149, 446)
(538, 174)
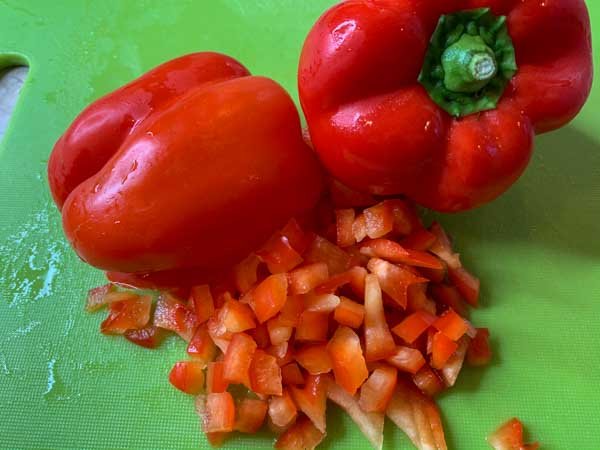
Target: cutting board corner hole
(13, 73)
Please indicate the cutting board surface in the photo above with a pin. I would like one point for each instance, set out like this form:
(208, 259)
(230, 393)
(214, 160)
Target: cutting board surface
(63, 385)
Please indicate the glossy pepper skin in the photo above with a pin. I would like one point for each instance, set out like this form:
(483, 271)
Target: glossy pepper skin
(182, 172)
(377, 129)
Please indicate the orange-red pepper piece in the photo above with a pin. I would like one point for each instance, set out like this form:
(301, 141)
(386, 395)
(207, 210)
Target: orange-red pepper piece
(377, 391)
(188, 376)
(237, 360)
(379, 342)
(349, 313)
(348, 361)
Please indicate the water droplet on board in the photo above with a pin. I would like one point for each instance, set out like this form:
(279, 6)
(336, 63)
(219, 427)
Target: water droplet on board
(56, 390)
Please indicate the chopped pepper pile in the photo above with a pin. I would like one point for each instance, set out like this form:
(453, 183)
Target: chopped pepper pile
(363, 306)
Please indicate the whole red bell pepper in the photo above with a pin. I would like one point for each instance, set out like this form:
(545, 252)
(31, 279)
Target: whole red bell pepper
(182, 172)
(440, 100)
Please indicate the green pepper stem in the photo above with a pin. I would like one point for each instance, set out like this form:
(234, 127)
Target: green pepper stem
(468, 64)
(482, 67)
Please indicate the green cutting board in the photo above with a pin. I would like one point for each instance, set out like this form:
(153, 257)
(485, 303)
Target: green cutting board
(63, 385)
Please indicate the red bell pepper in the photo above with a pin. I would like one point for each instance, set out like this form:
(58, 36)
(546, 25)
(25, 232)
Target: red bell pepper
(347, 358)
(314, 359)
(188, 376)
(265, 374)
(312, 399)
(377, 391)
(440, 100)
(302, 435)
(282, 409)
(509, 436)
(291, 375)
(250, 414)
(370, 424)
(157, 176)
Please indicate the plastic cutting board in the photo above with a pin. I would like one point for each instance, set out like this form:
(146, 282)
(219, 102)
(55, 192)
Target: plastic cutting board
(63, 385)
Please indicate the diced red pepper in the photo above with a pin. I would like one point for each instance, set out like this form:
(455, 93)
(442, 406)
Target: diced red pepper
(303, 435)
(345, 197)
(278, 332)
(393, 252)
(291, 311)
(323, 303)
(452, 325)
(418, 416)
(418, 300)
(357, 259)
(509, 436)
(413, 326)
(305, 279)
(354, 275)
(236, 316)
(132, 313)
(431, 332)
(246, 273)
(314, 358)
(407, 359)
(377, 391)
(202, 347)
(379, 342)
(148, 337)
(172, 314)
(217, 332)
(379, 220)
(269, 297)
(283, 353)
(467, 284)
(297, 238)
(260, 334)
(215, 378)
(312, 399)
(371, 424)
(454, 365)
(312, 327)
(428, 381)
(219, 414)
(216, 440)
(292, 375)
(349, 313)
(321, 250)
(479, 352)
(405, 216)
(188, 376)
(394, 280)
(282, 410)
(348, 361)
(265, 374)
(435, 275)
(442, 349)
(250, 415)
(357, 281)
(359, 228)
(203, 303)
(279, 255)
(449, 296)
(222, 290)
(97, 297)
(344, 222)
(420, 239)
(443, 248)
(238, 358)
